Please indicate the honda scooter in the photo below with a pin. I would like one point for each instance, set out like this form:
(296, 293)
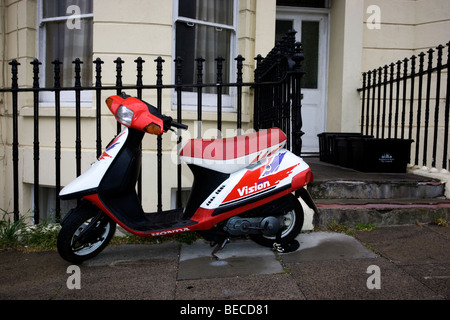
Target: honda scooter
(242, 186)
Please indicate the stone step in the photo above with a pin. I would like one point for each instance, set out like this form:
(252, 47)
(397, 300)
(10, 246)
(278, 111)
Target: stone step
(377, 189)
(385, 212)
(334, 182)
(350, 197)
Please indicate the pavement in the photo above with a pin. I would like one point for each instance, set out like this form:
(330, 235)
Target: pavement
(391, 263)
(409, 262)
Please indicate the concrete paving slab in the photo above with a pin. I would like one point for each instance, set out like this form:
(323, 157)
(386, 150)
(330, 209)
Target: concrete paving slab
(153, 279)
(134, 252)
(435, 276)
(326, 246)
(254, 287)
(125, 272)
(238, 258)
(405, 245)
(35, 275)
(342, 279)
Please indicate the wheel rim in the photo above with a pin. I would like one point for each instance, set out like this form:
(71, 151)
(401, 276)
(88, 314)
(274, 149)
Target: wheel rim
(289, 220)
(82, 249)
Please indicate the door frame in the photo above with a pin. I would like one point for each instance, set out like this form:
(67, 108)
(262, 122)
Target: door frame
(288, 13)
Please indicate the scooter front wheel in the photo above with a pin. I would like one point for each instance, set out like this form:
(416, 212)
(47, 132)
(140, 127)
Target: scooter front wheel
(84, 234)
(291, 226)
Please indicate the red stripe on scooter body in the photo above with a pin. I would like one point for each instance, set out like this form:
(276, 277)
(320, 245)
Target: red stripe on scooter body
(204, 217)
(206, 221)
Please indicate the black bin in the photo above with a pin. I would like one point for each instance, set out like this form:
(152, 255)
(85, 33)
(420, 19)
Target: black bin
(381, 155)
(328, 148)
(344, 149)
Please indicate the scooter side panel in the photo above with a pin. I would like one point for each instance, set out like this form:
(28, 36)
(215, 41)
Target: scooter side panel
(274, 174)
(270, 176)
(206, 218)
(89, 181)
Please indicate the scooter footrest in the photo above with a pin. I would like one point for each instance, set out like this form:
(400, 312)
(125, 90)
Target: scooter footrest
(163, 221)
(167, 217)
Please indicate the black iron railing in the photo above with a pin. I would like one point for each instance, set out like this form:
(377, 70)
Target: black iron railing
(280, 104)
(276, 85)
(397, 101)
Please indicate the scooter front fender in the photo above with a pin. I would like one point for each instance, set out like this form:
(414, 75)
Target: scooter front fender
(83, 206)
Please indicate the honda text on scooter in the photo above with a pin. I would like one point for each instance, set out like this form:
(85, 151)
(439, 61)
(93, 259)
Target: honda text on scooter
(242, 185)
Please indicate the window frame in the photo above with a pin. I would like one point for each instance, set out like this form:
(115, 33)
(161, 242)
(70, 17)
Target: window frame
(47, 98)
(209, 100)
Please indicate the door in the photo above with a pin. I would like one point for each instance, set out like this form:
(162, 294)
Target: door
(312, 31)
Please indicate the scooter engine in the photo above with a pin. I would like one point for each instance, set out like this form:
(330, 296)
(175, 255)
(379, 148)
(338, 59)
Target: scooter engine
(238, 226)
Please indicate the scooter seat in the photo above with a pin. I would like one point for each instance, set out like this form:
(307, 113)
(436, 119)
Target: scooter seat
(231, 154)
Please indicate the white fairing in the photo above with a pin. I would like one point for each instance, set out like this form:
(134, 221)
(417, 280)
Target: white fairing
(275, 172)
(92, 177)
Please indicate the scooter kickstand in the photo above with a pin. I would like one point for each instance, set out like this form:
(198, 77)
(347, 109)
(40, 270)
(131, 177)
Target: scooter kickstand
(219, 247)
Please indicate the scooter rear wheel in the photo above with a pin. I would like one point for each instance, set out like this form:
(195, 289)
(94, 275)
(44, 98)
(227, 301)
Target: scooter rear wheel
(292, 224)
(84, 234)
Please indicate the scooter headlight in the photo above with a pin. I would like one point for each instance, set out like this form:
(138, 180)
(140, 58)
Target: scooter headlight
(124, 115)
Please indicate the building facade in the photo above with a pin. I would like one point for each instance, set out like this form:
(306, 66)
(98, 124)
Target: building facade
(341, 39)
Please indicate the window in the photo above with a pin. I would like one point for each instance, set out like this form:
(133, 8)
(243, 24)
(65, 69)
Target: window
(65, 33)
(205, 28)
(47, 204)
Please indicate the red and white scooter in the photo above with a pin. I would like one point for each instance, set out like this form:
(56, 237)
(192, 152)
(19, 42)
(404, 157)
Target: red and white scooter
(242, 185)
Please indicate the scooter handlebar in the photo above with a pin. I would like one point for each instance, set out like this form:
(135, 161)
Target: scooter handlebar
(178, 125)
(169, 123)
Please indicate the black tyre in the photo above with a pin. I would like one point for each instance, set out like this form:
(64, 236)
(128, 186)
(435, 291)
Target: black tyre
(84, 233)
(292, 224)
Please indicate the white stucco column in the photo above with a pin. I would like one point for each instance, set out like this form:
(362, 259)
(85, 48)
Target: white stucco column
(346, 36)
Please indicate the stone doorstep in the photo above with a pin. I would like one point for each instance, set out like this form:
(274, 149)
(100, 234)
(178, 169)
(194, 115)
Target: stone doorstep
(387, 203)
(381, 212)
(350, 197)
(376, 189)
(335, 182)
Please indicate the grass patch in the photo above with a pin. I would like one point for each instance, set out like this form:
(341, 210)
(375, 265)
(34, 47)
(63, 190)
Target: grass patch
(10, 230)
(364, 227)
(20, 235)
(338, 227)
(349, 230)
(441, 222)
(40, 237)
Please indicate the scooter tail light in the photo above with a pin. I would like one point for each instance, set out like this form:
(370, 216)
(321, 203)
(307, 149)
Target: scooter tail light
(124, 115)
(302, 179)
(153, 128)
